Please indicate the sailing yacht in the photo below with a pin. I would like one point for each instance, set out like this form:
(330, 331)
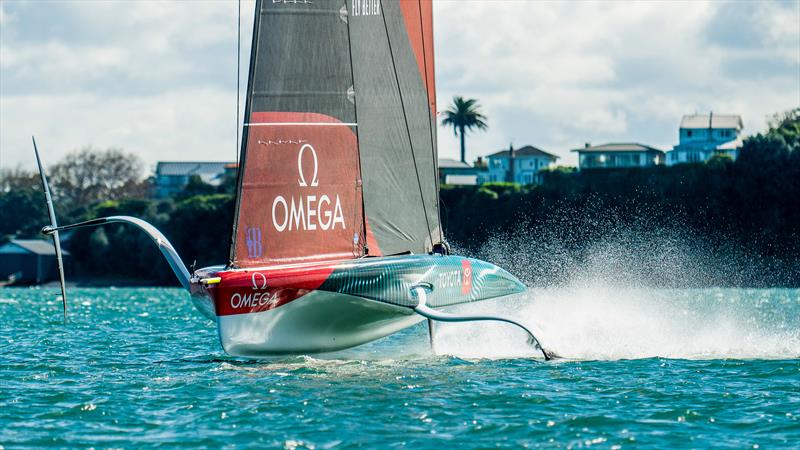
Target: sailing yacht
(337, 237)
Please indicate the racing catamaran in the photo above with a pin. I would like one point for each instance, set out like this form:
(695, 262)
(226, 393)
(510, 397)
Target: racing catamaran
(336, 239)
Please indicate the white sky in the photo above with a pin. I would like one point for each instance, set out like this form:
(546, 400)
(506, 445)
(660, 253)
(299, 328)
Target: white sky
(158, 78)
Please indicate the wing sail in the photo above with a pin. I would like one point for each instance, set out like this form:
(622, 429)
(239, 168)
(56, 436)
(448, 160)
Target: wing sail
(339, 155)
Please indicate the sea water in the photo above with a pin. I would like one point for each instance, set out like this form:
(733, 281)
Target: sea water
(644, 368)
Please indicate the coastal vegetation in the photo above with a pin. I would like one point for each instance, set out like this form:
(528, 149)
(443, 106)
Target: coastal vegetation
(744, 212)
(740, 219)
(464, 115)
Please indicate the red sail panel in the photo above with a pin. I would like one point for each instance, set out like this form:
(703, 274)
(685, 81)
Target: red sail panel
(418, 16)
(301, 191)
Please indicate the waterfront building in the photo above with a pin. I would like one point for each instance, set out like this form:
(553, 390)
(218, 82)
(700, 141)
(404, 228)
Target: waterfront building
(455, 172)
(172, 176)
(618, 155)
(29, 261)
(520, 165)
(702, 136)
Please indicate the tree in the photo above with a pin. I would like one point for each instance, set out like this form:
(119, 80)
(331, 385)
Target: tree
(21, 202)
(464, 115)
(18, 178)
(90, 175)
(787, 125)
(196, 186)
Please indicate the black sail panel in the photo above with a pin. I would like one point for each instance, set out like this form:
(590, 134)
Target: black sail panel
(393, 74)
(302, 59)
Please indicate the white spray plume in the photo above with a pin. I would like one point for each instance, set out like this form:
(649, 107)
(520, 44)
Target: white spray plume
(638, 291)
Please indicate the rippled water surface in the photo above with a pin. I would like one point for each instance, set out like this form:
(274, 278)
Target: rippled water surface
(658, 369)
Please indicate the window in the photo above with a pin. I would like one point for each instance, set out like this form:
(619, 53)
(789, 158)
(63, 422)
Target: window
(688, 133)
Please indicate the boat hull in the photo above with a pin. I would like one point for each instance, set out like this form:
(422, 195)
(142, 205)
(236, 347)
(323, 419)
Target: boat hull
(333, 305)
(314, 323)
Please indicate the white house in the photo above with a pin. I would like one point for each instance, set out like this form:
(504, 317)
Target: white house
(702, 136)
(618, 155)
(519, 165)
(455, 172)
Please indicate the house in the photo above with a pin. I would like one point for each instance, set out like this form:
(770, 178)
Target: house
(520, 165)
(618, 155)
(28, 261)
(702, 136)
(452, 171)
(172, 177)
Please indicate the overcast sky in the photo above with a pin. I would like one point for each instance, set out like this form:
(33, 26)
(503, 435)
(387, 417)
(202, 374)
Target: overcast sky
(158, 78)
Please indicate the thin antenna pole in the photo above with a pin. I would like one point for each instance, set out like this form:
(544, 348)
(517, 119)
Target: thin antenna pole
(238, 76)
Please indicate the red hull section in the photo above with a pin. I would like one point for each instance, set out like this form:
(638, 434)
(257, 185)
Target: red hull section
(250, 291)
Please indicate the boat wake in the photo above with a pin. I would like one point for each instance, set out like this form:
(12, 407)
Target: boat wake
(609, 323)
(639, 291)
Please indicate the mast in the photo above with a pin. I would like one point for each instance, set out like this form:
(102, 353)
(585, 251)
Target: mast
(243, 151)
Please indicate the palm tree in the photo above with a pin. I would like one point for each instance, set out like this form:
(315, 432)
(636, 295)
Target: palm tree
(464, 115)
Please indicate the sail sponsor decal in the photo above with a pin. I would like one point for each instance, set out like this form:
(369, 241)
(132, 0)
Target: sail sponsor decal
(307, 212)
(365, 7)
(301, 190)
(255, 248)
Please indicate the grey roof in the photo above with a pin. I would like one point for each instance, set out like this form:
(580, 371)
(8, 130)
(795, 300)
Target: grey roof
(619, 147)
(36, 246)
(527, 150)
(447, 163)
(695, 121)
(191, 167)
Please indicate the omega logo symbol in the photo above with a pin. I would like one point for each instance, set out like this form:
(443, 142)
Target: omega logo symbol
(260, 277)
(302, 180)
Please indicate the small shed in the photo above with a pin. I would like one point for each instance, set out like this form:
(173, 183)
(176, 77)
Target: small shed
(455, 172)
(28, 261)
